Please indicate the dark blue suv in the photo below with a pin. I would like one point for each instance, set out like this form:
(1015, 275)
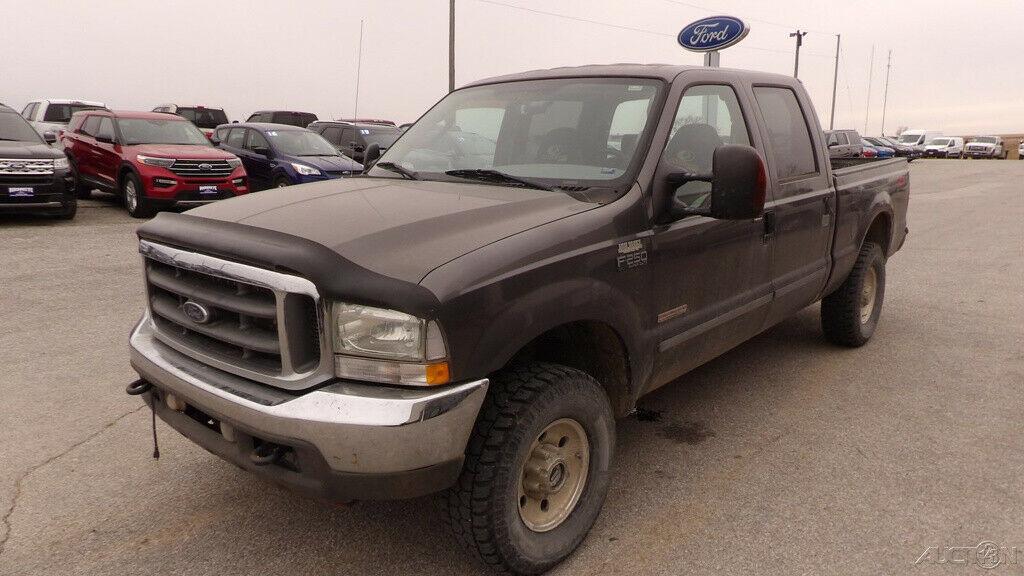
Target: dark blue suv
(278, 155)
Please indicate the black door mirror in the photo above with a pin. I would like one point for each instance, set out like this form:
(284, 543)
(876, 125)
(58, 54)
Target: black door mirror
(371, 155)
(262, 151)
(356, 146)
(49, 137)
(214, 140)
(739, 184)
(105, 138)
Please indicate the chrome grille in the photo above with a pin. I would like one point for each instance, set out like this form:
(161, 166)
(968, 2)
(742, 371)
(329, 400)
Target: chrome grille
(201, 168)
(249, 321)
(20, 167)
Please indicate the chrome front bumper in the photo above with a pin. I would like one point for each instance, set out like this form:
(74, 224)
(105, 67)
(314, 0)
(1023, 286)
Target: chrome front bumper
(353, 440)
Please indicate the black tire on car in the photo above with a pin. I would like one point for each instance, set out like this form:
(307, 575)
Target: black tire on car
(537, 468)
(282, 181)
(849, 315)
(82, 191)
(134, 197)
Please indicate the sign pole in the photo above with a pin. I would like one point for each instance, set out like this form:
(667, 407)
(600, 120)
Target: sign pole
(712, 59)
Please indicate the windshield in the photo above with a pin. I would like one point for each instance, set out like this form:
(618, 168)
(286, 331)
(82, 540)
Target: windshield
(938, 142)
(985, 140)
(145, 131)
(14, 127)
(910, 138)
(204, 117)
(566, 132)
(300, 119)
(61, 113)
(300, 143)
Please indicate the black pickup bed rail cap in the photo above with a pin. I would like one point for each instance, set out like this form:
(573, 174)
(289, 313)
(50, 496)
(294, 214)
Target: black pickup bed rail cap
(335, 277)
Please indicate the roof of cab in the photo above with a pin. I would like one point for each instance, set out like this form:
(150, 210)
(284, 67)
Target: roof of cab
(261, 126)
(666, 72)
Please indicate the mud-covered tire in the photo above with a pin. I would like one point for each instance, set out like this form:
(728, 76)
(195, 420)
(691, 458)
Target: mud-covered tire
(845, 318)
(483, 508)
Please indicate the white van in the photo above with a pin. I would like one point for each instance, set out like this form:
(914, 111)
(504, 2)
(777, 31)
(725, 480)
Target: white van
(944, 147)
(918, 138)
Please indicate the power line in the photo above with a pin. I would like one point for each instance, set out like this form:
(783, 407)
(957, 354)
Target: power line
(768, 22)
(630, 28)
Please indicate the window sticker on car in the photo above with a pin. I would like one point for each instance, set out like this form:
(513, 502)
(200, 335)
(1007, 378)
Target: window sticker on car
(272, 133)
(364, 131)
(21, 192)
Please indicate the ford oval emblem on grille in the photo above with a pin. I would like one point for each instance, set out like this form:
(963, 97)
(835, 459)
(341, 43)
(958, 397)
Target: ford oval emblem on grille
(196, 312)
(206, 167)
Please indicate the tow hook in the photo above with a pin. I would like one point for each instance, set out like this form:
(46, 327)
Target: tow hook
(266, 453)
(138, 387)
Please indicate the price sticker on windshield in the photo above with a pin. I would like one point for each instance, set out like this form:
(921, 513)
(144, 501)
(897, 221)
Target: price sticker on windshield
(364, 131)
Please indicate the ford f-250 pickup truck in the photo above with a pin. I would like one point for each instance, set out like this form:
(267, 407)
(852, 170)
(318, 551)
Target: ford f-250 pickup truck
(474, 324)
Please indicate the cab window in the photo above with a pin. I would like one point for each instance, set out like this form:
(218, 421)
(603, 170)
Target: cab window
(256, 142)
(708, 116)
(790, 138)
(236, 138)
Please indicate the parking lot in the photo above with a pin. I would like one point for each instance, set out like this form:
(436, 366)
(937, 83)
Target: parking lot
(785, 456)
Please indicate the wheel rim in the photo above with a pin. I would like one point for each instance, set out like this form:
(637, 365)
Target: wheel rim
(131, 196)
(867, 295)
(281, 184)
(554, 475)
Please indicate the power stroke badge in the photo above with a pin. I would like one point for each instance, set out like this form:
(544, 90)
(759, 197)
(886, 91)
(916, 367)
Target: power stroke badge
(631, 254)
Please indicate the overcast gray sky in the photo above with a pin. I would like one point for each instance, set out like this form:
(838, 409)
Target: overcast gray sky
(957, 66)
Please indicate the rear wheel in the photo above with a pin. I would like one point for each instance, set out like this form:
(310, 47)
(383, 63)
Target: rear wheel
(537, 468)
(135, 198)
(849, 315)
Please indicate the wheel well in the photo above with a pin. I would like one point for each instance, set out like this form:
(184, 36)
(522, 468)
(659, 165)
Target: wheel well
(592, 347)
(121, 173)
(880, 232)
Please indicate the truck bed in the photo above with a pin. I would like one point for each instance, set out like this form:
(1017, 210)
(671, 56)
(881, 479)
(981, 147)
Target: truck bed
(862, 185)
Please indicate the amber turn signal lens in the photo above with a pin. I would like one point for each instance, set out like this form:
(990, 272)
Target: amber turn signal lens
(437, 374)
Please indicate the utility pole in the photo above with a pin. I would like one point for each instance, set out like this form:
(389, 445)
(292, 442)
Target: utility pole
(359, 70)
(885, 95)
(451, 45)
(799, 42)
(871, 73)
(835, 81)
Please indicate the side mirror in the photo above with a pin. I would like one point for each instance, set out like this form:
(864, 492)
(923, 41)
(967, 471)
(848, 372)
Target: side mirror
(371, 155)
(49, 137)
(356, 146)
(105, 138)
(833, 144)
(739, 183)
(214, 140)
(262, 151)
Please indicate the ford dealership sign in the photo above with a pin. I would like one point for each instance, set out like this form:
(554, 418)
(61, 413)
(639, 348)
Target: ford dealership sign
(713, 33)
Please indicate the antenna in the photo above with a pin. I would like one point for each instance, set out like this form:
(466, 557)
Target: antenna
(359, 69)
(885, 96)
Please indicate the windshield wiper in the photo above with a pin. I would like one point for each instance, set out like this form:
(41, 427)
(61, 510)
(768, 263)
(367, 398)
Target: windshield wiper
(392, 167)
(497, 176)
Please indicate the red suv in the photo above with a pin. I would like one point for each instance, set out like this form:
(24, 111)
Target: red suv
(151, 160)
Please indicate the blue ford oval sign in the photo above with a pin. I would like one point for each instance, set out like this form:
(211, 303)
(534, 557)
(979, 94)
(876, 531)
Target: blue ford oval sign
(713, 33)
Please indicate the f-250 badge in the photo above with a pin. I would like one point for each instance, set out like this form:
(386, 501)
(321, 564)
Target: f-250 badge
(631, 254)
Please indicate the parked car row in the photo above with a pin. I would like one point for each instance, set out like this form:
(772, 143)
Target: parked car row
(850, 144)
(913, 144)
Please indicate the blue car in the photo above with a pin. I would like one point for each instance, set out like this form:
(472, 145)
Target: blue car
(880, 151)
(277, 155)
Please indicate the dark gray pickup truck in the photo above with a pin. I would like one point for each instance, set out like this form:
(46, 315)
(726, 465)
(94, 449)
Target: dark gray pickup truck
(472, 315)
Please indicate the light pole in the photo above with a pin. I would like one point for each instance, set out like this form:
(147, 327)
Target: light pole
(799, 42)
(835, 81)
(885, 95)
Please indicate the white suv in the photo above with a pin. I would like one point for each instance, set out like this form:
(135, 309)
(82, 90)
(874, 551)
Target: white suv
(51, 116)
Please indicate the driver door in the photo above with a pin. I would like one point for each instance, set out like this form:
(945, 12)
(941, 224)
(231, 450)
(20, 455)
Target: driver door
(711, 278)
(257, 156)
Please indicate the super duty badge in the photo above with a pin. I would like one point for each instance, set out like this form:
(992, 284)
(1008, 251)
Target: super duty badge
(631, 254)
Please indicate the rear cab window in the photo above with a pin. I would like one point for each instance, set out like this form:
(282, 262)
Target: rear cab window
(792, 151)
(61, 113)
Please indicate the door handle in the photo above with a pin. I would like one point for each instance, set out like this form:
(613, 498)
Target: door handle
(769, 227)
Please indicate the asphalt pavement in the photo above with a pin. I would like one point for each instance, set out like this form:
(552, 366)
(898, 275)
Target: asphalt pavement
(785, 456)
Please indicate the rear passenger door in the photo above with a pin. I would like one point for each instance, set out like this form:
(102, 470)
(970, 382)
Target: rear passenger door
(257, 158)
(802, 199)
(81, 147)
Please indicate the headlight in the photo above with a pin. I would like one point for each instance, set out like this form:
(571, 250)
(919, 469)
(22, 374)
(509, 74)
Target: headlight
(60, 164)
(305, 170)
(151, 161)
(387, 346)
(234, 162)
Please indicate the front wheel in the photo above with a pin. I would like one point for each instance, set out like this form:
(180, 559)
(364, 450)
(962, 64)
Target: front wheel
(537, 468)
(282, 182)
(135, 198)
(849, 315)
